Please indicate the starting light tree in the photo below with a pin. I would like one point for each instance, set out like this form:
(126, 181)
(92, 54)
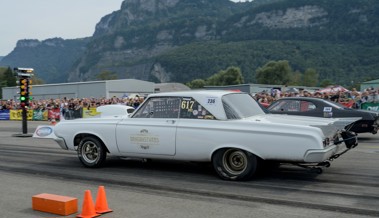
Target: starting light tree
(24, 75)
(24, 91)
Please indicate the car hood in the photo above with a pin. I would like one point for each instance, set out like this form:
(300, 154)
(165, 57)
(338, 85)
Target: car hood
(327, 125)
(97, 118)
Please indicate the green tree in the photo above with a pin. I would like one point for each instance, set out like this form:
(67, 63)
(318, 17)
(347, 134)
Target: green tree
(230, 76)
(296, 78)
(2, 84)
(326, 82)
(274, 72)
(214, 80)
(9, 77)
(106, 75)
(310, 77)
(196, 84)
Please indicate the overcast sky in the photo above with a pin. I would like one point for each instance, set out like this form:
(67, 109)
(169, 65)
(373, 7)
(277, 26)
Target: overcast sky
(43, 19)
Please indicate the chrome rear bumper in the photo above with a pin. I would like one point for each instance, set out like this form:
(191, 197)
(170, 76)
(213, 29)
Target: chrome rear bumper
(320, 155)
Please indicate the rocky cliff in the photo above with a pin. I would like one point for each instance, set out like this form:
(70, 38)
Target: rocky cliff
(52, 59)
(127, 41)
(180, 40)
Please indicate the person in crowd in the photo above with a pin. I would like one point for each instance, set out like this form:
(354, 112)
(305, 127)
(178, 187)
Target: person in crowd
(73, 107)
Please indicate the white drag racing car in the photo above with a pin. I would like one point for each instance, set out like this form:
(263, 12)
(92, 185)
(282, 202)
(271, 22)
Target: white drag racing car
(228, 129)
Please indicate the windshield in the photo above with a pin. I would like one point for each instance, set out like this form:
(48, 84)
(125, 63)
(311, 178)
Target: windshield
(240, 105)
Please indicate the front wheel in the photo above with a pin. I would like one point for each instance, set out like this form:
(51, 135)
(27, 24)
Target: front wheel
(235, 164)
(91, 152)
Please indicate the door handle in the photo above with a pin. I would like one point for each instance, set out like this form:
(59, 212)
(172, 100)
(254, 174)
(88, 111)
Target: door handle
(170, 121)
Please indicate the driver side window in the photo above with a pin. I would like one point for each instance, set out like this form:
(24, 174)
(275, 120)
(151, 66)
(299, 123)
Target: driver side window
(307, 106)
(294, 106)
(287, 106)
(162, 107)
(192, 109)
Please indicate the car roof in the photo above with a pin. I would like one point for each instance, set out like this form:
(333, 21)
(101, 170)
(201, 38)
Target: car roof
(193, 93)
(311, 99)
(214, 106)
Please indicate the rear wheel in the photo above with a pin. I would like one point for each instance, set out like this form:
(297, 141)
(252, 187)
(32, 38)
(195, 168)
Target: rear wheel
(235, 164)
(91, 152)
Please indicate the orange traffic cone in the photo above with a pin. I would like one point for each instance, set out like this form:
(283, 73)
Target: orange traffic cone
(88, 209)
(101, 201)
(53, 122)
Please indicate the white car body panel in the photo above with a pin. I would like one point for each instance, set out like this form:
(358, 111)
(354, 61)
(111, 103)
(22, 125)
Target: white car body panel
(270, 137)
(157, 137)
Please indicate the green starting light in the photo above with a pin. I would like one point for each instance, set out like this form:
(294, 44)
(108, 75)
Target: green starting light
(22, 98)
(30, 98)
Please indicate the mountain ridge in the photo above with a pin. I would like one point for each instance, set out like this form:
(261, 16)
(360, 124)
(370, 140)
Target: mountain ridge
(146, 39)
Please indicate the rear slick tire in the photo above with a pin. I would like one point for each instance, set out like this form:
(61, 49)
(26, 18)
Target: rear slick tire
(235, 164)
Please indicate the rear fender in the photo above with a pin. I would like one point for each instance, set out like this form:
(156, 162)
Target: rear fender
(236, 147)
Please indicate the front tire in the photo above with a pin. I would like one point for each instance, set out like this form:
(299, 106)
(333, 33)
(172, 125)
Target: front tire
(91, 152)
(235, 164)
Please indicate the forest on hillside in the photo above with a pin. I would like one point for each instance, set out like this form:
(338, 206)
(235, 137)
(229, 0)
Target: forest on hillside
(200, 38)
(340, 63)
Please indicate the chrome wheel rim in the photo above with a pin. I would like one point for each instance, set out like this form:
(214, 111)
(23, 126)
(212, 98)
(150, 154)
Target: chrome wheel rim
(90, 152)
(234, 161)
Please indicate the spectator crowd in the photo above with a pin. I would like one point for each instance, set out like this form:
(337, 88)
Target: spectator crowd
(74, 105)
(353, 97)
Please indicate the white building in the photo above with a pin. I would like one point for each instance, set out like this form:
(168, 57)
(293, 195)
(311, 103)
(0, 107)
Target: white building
(255, 88)
(96, 89)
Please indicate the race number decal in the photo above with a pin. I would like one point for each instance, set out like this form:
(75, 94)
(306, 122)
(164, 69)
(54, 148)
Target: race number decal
(210, 101)
(192, 109)
(328, 113)
(187, 105)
